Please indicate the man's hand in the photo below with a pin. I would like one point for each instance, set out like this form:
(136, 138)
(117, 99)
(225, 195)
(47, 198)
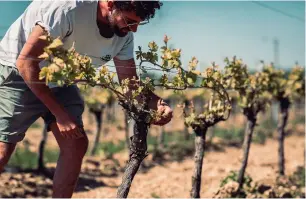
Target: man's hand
(29, 70)
(163, 109)
(68, 127)
(156, 103)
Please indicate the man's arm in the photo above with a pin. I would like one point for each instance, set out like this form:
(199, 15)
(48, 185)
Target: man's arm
(127, 69)
(28, 67)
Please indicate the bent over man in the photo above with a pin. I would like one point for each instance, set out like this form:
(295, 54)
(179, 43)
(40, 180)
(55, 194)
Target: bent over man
(101, 29)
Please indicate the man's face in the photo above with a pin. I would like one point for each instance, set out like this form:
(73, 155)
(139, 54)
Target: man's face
(122, 22)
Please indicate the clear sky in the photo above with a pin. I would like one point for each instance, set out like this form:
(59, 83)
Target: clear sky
(211, 30)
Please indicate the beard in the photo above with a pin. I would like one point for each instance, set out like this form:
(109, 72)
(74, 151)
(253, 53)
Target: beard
(114, 27)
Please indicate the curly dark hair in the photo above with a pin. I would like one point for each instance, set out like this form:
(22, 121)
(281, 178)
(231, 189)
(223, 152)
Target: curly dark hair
(144, 9)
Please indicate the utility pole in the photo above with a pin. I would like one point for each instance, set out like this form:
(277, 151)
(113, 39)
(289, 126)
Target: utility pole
(274, 107)
(275, 46)
(276, 52)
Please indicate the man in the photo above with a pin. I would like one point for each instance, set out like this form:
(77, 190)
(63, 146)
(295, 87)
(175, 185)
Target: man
(101, 29)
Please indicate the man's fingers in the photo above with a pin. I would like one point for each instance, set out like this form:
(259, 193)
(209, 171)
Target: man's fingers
(168, 120)
(166, 115)
(75, 133)
(69, 134)
(163, 121)
(168, 112)
(72, 133)
(63, 134)
(161, 109)
(78, 133)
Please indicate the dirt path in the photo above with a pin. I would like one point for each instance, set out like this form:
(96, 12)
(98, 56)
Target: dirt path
(173, 179)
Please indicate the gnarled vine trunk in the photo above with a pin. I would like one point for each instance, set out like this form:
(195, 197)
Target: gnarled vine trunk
(246, 148)
(161, 137)
(126, 129)
(198, 159)
(186, 133)
(159, 146)
(282, 121)
(99, 118)
(138, 152)
(41, 165)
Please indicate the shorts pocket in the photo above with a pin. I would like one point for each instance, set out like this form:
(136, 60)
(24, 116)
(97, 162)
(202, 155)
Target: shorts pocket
(5, 72)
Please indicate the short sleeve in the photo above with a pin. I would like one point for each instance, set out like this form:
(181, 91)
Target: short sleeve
(53, 18)
(127, 51)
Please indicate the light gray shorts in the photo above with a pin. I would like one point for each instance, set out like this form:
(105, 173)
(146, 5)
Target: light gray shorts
(20, 108)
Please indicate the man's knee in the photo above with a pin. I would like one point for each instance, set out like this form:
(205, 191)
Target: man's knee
(6, 151)
(70, 148)
(75, 148)
(83, 145)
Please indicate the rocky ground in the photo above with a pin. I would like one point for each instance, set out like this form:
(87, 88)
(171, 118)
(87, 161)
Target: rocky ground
(101, 178)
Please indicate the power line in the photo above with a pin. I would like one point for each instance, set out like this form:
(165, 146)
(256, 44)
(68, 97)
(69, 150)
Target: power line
(278, 11)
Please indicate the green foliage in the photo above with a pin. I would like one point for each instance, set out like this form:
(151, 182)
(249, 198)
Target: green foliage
(64, 66)
(96, 98)
(179, 150)
(285, 187)
(234, 136)
(252, 89)
(108, 149)
(299, 176)
(296, 83)
(236, 74)
(154, 195)
(175, 145)
(211, 78)
(230, 135)
(300, 119)
(264, 130)
(25, 159)
(170, 64)
(294, 183)
(217, 109)
(68, 66)
(278, 81)
(51, 155)
(259, 137)
(282, 86)
(233, 176)
(169, 137)
(268, 124)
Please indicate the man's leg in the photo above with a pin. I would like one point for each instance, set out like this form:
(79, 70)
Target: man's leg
(69, 163)
(72, 151)
(19, 108)
(6, 150)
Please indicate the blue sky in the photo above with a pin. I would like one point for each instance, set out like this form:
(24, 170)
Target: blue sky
(211, 30)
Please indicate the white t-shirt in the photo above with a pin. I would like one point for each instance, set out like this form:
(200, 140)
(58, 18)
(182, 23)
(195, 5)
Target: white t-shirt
(72, 21)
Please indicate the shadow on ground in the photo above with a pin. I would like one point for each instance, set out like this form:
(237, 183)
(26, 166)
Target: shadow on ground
(17, 183)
